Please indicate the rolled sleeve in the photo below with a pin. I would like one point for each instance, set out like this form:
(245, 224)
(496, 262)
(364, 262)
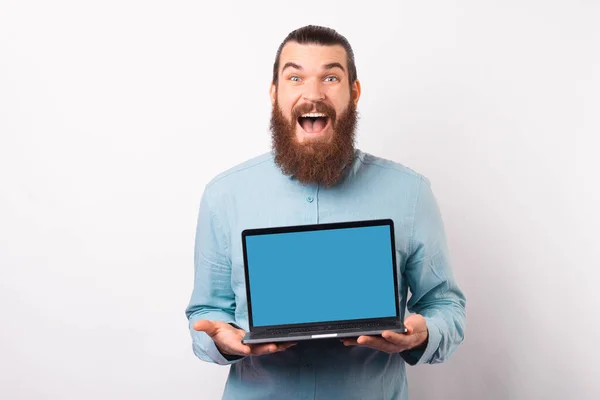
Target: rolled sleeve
(422, 356)
(212, 296)
(434, 292)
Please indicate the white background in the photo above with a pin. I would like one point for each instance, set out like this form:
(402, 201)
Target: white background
(114, 114)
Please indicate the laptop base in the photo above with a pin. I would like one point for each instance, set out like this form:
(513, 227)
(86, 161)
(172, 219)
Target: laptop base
(268, 337)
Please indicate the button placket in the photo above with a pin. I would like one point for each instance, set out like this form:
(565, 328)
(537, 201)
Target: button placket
(311, 200)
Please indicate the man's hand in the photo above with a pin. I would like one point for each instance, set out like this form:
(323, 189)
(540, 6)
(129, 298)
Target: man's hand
(229, 339)
(393, 342)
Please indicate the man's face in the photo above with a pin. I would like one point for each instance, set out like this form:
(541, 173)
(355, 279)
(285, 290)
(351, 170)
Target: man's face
(314, 112)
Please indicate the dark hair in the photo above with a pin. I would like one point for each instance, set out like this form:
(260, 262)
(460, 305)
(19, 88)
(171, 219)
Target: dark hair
(312, 34)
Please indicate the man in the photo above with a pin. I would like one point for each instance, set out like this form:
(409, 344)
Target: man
(315, 175)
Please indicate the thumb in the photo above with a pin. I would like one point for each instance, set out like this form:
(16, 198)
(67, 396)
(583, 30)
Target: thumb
(207, 326)
(410, 323)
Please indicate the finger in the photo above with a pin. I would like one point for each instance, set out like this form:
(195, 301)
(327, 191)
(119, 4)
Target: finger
(207, 326)
(260, 349)
(270, 348)
(377, 343)
(349, 341)
(236, 349)
(402, 339)
(285, 346)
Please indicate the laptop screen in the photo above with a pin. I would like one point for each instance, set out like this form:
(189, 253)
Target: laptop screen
(321, 275)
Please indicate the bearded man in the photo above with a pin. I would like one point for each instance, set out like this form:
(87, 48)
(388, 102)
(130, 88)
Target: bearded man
(314, 174)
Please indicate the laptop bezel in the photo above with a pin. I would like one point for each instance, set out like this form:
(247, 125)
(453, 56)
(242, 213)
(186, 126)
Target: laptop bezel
(316, 227)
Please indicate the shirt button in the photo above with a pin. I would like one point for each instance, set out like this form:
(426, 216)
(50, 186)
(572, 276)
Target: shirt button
(308, 365)
(310, 199)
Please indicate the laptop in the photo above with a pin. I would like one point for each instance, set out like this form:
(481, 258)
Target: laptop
(321, 281)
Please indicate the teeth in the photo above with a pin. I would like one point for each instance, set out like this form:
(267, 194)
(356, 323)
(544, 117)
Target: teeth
(313, 115)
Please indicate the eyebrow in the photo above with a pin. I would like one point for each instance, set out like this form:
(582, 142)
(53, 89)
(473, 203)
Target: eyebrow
(326, 66)
(334, 65)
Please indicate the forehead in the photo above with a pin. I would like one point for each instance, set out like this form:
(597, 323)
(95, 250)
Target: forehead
(312, 56)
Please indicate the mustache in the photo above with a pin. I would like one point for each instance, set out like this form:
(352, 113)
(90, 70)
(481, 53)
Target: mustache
(319, 107)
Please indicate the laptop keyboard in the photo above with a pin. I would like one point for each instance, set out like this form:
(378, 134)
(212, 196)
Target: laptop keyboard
(285, 331)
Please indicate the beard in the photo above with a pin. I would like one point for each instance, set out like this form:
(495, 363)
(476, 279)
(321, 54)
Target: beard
(314, 161)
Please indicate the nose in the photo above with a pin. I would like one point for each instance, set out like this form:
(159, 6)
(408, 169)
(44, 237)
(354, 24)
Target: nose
(313, 91)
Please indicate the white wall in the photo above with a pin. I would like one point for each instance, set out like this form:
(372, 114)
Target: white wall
(114, 114)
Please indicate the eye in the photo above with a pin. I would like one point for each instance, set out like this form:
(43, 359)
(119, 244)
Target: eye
(294, 78)
(331, 79)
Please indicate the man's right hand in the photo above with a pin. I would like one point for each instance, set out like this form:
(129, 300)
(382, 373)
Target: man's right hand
(229, 339)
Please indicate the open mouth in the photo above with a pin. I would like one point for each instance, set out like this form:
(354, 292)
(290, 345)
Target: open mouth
(313, 122)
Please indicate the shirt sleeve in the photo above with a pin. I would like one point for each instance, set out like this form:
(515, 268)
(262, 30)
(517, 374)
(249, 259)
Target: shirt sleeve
(212, 296)
(434, 292)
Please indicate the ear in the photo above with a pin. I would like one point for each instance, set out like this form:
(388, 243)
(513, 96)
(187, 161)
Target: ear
(273, 93)
(355, 92)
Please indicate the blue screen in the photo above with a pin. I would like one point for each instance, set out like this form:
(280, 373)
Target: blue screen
(324, 275)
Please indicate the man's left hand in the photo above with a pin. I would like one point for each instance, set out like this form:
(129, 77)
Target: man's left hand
(393, 342)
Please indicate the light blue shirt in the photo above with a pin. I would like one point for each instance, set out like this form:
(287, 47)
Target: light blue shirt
(256, 194)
